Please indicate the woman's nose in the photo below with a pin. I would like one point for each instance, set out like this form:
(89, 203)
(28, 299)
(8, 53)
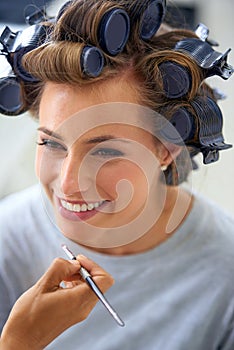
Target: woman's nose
(71, 180)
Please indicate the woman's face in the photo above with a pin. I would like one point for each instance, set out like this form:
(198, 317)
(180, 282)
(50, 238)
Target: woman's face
(98, 165)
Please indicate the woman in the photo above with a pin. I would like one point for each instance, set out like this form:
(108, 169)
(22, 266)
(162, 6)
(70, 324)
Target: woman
(110, 164)
(47, 309)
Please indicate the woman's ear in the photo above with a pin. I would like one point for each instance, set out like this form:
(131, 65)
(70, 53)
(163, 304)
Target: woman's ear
(168, 152)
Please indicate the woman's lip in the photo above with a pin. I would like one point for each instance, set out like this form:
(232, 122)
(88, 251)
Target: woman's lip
(79, 201)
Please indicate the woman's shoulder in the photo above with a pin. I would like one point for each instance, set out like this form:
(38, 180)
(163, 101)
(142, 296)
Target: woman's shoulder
(212, 213)
(25, 226)
(16, 199)
(18, 209)
(214, 225)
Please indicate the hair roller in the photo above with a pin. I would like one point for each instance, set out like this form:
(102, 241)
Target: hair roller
(63, 9)
(176, 79)
(92, 61)
(172, 75)
(10, 93)
(105, 25)
(146, 18)
(151, 18)
(201, 129)
(181, 127)
(113, 31)
(14, 47)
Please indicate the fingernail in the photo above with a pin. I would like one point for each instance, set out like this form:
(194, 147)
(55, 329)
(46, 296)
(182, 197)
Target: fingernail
(81, 256)
(68, 284)
(74, 262)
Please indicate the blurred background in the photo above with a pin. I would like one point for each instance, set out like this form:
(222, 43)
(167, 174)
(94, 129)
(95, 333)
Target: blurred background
(18, 134)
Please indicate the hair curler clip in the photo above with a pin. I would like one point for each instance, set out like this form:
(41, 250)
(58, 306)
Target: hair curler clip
(202, 31)
(211, 61)
(203, 132)
(210, 137)
(218, 94)
(36, 17)
(177, 78)
(16, 45)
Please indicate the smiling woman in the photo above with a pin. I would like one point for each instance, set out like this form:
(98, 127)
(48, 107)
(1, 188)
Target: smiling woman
(102, 157)
(121, 116)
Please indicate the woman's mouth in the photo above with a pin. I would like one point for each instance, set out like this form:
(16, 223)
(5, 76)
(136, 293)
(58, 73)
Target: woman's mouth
(80, 207)
(79, 211)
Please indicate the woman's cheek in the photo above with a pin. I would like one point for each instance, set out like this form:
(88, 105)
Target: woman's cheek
(47, 167)
(38, 162)
(125, 181)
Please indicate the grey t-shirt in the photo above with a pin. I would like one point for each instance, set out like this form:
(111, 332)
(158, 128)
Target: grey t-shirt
(177, 296)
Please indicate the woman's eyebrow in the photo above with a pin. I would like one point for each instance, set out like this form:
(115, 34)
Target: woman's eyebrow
(50, 133)
(104, 138)
(92, 140)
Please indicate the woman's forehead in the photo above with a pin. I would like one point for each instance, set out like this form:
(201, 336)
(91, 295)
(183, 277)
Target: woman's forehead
(110, 102)
(72, 114)
(92, 127)
(69, 99)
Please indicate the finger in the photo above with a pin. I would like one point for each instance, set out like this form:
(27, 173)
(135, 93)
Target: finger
(102, 277)
(58, 271)
(93, 268)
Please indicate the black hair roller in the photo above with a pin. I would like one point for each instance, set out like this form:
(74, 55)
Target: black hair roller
(113, 31)
(176, 79)
(63, 9)
(14, 47)
(92, 61)
(180, 128)
(202, 131)
(151, 18)
(210, 123)
(10, 92)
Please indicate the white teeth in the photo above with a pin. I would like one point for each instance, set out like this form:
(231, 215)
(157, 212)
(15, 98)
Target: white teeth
(69, 206)
(76, 207)
(84, 207)
(90, 206)
(80, 208)
(64, 204)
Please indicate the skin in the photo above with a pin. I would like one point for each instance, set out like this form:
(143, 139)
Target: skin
(36, 320)
(57, 166)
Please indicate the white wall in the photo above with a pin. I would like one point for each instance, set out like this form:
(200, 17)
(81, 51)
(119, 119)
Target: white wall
(17, 135)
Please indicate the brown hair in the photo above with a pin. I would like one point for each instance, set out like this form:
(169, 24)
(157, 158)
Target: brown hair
(58, 60)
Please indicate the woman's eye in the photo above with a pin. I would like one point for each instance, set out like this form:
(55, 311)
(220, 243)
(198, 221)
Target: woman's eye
(51, 144)
(107, 152)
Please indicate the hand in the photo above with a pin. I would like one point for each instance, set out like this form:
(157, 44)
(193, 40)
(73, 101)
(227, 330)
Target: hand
(47, 309)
